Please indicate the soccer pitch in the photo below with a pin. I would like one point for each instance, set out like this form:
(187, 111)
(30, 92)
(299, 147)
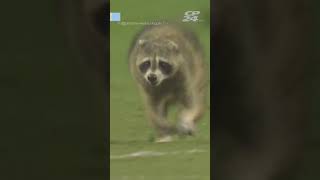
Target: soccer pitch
(133, 155)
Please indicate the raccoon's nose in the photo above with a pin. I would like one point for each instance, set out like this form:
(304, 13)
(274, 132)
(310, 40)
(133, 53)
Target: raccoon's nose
(152, 78)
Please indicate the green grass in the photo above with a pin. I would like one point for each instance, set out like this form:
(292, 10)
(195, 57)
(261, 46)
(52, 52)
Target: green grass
(130, 131)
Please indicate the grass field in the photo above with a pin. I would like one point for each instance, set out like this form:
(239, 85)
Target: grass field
(133, 155)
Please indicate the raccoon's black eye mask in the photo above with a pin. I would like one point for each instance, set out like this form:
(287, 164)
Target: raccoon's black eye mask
(144, 66)
(166, 68)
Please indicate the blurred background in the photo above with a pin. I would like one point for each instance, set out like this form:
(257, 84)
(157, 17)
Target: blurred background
(312, 156)
(310, 170)
(52, 117)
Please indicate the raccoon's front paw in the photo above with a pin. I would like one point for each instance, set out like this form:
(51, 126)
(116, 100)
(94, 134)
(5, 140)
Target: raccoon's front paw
(186, 128)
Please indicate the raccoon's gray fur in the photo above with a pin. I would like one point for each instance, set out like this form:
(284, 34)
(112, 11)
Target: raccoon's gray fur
(167, 63)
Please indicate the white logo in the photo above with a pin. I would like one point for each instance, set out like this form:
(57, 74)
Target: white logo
(191, 16)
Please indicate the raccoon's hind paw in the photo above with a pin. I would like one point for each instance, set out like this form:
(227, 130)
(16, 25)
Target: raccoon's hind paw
(164, 139)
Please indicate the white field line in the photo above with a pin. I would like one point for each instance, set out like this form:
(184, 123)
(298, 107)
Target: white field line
(154, 154)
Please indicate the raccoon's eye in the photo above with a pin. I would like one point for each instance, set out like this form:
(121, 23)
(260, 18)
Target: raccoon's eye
(166, 68)
(144, 66)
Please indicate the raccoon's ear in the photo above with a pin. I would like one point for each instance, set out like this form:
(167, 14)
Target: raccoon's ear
(173, 46)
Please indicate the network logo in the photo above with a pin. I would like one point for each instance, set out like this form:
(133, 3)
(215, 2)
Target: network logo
(191, 16)
(115, 17)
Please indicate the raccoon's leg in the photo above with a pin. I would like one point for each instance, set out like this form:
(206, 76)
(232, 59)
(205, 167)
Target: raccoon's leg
(157, 113)
(190, 113)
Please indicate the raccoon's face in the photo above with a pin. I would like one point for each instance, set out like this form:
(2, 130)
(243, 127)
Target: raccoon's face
(158, 61)
(155, 70)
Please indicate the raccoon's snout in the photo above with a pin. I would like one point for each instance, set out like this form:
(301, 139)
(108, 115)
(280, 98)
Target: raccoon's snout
(152, 78)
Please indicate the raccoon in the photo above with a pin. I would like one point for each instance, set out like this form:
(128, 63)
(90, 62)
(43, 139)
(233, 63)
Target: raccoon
(167, 63)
